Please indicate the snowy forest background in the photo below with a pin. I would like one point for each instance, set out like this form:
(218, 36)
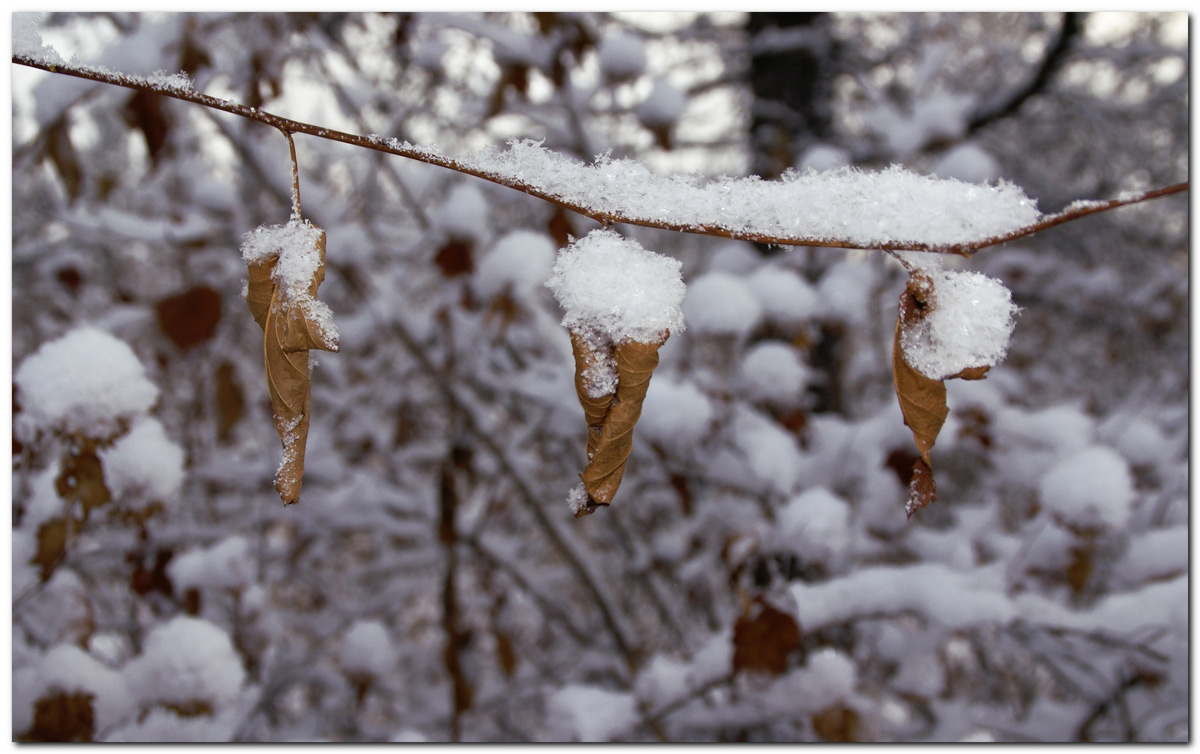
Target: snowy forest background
(756, 578)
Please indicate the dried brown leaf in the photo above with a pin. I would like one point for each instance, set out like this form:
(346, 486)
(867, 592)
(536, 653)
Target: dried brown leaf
(594, 409)
(191, 317)
(52, 545)
(921, 488)
(82, 479)
(606, 464)
(289, 332)
(763, 639)
(62, 718)
(922, 400)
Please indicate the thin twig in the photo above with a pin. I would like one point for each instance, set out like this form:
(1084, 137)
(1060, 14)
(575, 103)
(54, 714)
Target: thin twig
(295, 176)
(411, 152)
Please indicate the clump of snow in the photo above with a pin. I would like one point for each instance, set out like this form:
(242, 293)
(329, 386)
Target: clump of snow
(1155, 555)
(785, 297)
(297, 245)
(577, 500)
(821, 157)
(622, 56)
(86, 382)
(145, 461)
(663, 106)
(464, 213)
(719, 303)
(186, 661)
(939, 115)
(829, 676)
(1090, 488)
(816, 526)
(677, 415)
(43, 502)
(967, 162)
(970, 325)
(591, 714)
(893, 206)
(950, 598)
(845, 291)
(26, 40)
(225, 565)
(367, 649)
(771, 453)
(738, 257)
(408, 736)
(772, 372)
(1139, 440)
(68, 669)
(519, 262)
(611, 285)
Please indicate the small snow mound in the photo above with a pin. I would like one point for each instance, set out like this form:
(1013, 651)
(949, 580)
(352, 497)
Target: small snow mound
(675, 414)
(816, 526)
(785, 297)
(719, 303)
(146, 462)
(464, 214)
(592, 714)
(622, 56)
(968, 162)
(972, 320)
(610, 284)
(822, 157)
(68, 669)
(26, 40)
(519, 262)
(772, 372)
(367, 648)
(86, 382)
(225, 565)
(663, 106)
(184, 662)
(1089, 488)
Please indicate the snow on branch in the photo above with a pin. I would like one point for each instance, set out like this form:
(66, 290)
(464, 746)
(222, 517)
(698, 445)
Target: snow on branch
(886, 211)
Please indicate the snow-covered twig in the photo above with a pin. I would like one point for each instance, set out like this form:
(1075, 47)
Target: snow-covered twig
(724, 204)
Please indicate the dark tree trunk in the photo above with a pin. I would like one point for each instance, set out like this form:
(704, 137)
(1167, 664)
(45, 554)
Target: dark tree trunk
(792, 62)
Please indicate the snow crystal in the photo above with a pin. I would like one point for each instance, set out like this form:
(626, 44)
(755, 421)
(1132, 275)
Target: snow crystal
(144, 461)
(519, 262)
(970, 325)
(772, 372)
(577, 500)
(610, 284)
(225, 565)
(1091, 487)
(785, 297)
(622, 56)
(85, 382)
(186, 660)
(675, 414)
(367, 648)
(464, 213)
(893, 206)
(27, 41)
(663, 106)
(815, 525)
(592, 714)
(721, 304)
(297, 244)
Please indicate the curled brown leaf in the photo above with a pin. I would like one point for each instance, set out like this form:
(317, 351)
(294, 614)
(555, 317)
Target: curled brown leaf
(290, 329)
(610, 427)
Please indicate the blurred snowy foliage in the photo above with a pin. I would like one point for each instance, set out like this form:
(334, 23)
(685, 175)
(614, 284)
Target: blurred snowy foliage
(755, 579)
